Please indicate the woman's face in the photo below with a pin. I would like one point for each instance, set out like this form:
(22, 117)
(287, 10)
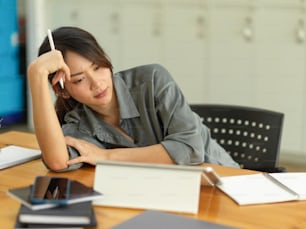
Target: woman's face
(90, 84)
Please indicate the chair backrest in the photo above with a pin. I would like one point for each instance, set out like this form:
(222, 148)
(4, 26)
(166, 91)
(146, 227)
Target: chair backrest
(252, 136)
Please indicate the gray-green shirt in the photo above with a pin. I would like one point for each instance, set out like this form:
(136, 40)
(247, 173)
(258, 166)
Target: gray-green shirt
(153, 110)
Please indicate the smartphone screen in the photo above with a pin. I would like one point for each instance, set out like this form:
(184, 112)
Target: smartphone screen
(48, 189)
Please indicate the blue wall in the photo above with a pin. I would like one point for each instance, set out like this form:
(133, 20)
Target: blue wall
(12, 82)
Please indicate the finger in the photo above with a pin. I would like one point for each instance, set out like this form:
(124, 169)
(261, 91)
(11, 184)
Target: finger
(72, 141)
(62, 66)
(75, 160)
(66, 71)
(81, 159)
(59, 74)
(79, 145)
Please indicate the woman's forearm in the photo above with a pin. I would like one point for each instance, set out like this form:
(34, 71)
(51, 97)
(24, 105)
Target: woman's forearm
(47, 128)
(149, 154)
(91, 153)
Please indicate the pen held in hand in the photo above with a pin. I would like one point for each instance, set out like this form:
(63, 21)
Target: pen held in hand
(51, 42)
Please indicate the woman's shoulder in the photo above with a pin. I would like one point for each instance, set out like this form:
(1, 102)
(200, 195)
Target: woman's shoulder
(148, 72)
(141, 69)
(76, 114)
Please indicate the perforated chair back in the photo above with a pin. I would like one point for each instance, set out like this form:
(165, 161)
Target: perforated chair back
(252, 136)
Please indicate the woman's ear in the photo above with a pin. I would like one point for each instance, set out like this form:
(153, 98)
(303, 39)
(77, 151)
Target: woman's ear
(60, 92)
(64, 94)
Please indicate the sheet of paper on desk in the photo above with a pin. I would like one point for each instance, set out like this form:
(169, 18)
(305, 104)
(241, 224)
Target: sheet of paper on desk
(295, 180)
(14, 155)
(260, 189)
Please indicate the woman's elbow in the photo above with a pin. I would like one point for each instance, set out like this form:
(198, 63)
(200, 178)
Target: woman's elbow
(55, 165)
(58, 167)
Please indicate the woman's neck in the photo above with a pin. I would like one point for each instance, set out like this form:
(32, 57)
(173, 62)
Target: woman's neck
(111, 113)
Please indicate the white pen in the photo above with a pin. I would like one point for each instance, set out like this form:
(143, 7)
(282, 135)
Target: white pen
(51, 42)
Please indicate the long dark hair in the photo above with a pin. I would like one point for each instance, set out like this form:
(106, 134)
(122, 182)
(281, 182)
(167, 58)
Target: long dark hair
(81, 42)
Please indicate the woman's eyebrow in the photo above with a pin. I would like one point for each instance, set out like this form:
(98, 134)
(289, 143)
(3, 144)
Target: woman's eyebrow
(79, 73)
(76, 74)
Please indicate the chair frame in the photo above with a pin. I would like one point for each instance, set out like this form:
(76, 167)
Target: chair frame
(252, 136)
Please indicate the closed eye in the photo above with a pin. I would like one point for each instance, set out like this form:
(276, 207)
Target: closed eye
(96, 67)
(77, 81)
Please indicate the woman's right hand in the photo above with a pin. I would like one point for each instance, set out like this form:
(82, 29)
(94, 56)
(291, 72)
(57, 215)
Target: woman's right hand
(46, 64)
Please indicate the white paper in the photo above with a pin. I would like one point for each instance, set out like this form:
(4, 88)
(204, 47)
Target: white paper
(152, 187)
(296, 181)
(254, 189)
(13, 155)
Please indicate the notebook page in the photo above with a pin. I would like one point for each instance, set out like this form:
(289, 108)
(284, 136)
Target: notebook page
(254, 189)
(296, 181)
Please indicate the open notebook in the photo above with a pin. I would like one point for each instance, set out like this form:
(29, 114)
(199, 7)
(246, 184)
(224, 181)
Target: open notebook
(263, 188)
(14, 155)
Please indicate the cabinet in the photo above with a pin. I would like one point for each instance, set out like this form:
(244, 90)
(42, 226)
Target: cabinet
(280, 69)
(142, 32)
(232, 66)
(186, 51)
(219, 51)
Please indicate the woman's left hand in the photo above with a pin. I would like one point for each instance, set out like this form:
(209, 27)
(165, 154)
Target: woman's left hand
(89, 152)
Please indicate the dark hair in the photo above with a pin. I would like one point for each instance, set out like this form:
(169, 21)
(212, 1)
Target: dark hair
(81, 42)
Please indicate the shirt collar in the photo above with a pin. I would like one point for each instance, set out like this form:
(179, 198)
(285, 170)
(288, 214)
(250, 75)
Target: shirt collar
(94, 126)
(127, 105)
(88, 121)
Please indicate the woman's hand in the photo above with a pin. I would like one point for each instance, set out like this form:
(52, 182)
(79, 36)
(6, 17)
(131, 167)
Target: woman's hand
(89, 152)
(49, 63)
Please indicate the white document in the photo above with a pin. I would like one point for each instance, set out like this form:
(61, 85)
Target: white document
(14, 155)
(296, 181)
(264, 188)
(149, 186)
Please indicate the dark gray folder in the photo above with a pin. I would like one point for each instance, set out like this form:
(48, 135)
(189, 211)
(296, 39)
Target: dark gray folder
(161, 220)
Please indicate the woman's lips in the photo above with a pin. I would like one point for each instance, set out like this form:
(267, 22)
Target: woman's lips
(101, 94)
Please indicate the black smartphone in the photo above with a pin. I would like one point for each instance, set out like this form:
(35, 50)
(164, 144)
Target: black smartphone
(49, 189)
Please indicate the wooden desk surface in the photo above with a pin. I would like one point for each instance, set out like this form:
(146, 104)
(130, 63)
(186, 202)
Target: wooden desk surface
(215, 206)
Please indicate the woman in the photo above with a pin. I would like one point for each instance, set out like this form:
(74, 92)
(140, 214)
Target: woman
(137, 115)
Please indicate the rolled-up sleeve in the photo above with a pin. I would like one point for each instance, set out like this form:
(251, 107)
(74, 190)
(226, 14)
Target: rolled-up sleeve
(186, 138)
(182, 129)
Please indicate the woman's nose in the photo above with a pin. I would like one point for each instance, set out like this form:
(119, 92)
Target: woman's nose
(94, 81)
(94, 84)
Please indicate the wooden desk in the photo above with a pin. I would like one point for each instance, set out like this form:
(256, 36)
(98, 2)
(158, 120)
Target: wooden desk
(215, 206)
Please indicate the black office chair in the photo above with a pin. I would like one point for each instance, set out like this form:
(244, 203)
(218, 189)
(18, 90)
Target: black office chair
(252, 136)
